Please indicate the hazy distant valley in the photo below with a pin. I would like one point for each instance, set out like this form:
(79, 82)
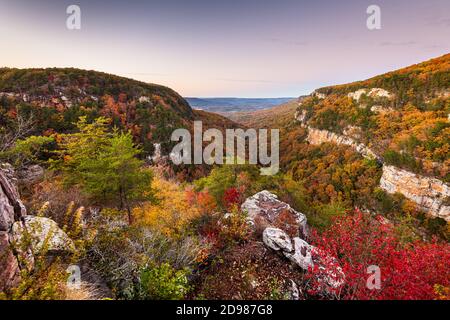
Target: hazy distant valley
(220, 105)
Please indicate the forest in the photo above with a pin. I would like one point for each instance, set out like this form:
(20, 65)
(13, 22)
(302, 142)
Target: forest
(79, 147)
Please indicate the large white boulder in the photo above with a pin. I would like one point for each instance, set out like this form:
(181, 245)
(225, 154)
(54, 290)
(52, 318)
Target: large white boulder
(301, 255)
(43, 234)
(307, 257)
(266, 208)
(277, 239)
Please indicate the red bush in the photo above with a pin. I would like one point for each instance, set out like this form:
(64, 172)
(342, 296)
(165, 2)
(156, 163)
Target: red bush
(231, 198)
(408, 271)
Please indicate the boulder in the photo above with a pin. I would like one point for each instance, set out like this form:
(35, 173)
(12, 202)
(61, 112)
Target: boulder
(44, 234)
(277, 240)
(31, 174)
(306, 256)
(294, 292)
(264, 208)
(301, 255)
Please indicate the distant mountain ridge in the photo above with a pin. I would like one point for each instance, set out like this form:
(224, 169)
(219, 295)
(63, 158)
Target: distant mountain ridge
(236, 104)
(55, 98)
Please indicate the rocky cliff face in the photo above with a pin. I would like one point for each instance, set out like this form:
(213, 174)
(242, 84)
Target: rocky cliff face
(11, 210)
(316, 136)
(429, 193)
(16, 225)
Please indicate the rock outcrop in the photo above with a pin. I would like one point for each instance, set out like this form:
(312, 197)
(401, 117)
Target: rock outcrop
(31, 174)
(317, 137)
(285, 232)
(319, 95)
(373, 93)
(266, 210)
(429, 193)
(44, 235)
(11, 211)
(305, 256)
(14, 224)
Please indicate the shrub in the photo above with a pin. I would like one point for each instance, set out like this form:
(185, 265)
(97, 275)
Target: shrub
(172, 211)
(34, 149)
(163, 283)
(408, 271)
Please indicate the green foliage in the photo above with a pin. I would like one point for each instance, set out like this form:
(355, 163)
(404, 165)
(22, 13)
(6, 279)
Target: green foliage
(163, 283)
(104, 165)
(402, 160)
(325, 214)
(31, 150)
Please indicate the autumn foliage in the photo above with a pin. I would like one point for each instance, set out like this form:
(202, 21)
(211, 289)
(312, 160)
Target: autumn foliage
(417, 270)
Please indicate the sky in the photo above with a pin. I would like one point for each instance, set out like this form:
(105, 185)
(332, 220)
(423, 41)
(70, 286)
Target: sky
(233, 48)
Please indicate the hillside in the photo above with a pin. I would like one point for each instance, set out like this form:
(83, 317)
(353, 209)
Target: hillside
(53, 99)
(402, 115)
(380, 144)
(274, 117)
(76, 194)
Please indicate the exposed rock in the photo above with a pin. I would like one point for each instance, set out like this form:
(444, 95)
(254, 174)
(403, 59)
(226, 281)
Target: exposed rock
(31, 174)
(319, 95)
(9, 267)
(11, 210)
(9, 172)
(300, 116)
(277, 240)
(316, 137)
(144, 99)
(301, 255)
(428, 193)
(305, 256)
(380, 109)
(294, 292)
(373, 93)
(357, 94)
(265, 208)
(44, 234)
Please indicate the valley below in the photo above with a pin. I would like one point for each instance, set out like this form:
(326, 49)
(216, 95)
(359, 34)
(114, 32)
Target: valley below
(89, 193)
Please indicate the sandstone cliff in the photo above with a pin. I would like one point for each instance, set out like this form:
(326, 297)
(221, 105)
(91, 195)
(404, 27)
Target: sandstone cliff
(11, 210)
(429, 193)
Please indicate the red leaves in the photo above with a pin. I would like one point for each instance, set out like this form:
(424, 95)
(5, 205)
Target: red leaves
(408, 271)
(231, 198)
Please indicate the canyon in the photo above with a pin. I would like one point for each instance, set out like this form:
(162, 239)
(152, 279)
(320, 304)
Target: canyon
(430, 194)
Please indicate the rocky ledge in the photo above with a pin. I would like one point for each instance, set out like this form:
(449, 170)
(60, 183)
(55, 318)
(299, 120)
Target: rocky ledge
(16, 225)
(429, 193)
(285, 232)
